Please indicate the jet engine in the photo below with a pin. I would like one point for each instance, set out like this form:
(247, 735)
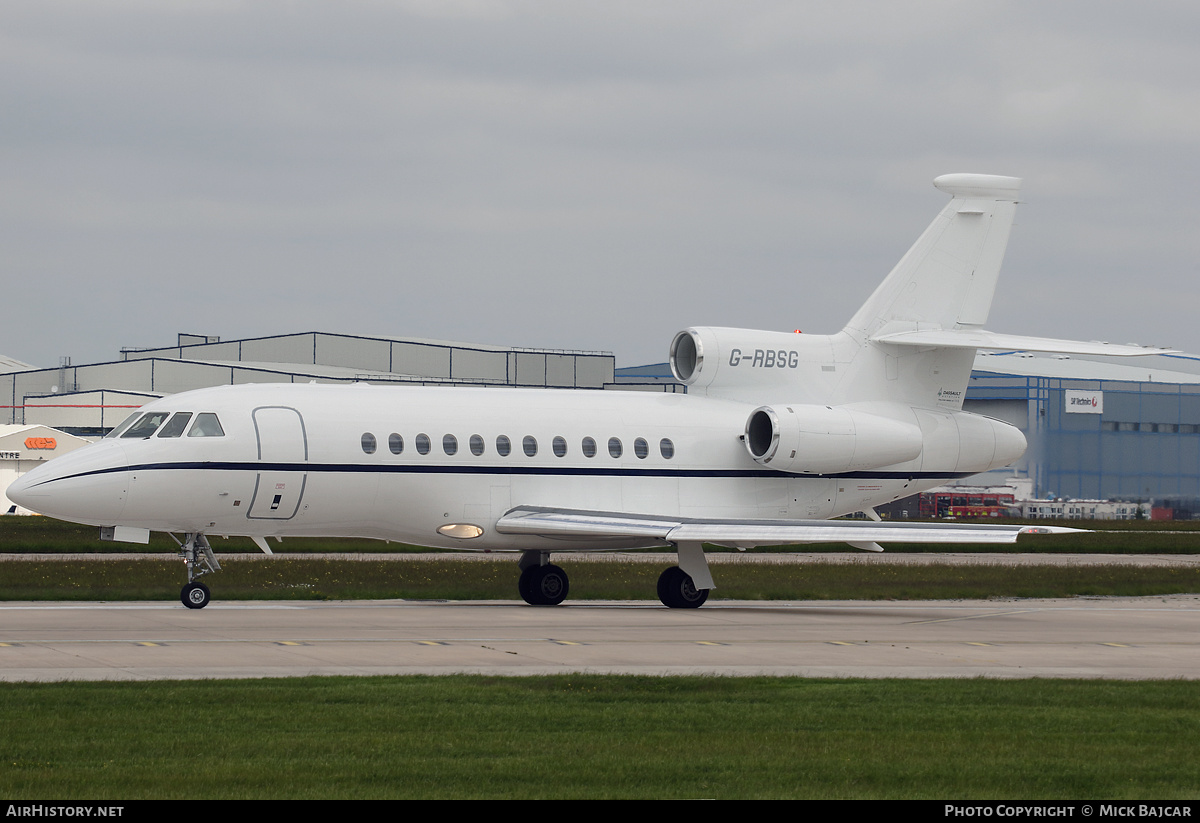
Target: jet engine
(744, 357)
(806, 439)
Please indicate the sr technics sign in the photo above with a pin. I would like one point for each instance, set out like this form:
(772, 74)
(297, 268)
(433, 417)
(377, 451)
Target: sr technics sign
(1085, 402)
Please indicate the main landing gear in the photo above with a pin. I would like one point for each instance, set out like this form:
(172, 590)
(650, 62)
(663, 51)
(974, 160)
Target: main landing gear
(544, 584)
(200, 560)
(677, 590)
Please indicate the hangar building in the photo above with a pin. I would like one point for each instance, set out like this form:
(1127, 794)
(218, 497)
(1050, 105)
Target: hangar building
(1099, 428)
(88, 400)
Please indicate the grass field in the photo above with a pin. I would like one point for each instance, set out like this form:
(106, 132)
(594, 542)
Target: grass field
(579, 736)
(305, 578)
(45, 535)
(600, 737)
(294, 576)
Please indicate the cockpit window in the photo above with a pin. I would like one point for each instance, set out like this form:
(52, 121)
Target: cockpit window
(206, 425)
(147, 425)
(124, 425)
(176, 425)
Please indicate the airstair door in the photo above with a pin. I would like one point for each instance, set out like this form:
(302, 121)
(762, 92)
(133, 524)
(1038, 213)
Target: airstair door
(283, 458)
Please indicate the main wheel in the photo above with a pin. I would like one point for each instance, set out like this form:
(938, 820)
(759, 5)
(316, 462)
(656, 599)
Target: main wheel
(195, 595)
(677, 590)
(543, 585)
(525, 585)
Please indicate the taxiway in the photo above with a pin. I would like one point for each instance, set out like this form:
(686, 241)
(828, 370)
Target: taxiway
(1124, 638)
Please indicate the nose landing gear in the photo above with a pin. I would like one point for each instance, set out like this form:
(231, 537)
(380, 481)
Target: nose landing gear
(195, 595)
(200, 560)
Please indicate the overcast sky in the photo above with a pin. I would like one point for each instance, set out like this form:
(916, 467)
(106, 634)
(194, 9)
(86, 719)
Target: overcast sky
(579, 175)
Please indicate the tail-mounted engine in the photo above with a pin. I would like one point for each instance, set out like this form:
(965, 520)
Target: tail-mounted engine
(805, 439)
(744, 357)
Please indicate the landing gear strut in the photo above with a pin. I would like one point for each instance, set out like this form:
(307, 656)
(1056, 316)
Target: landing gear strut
(542, 583)
(200, 560)
(676, 590)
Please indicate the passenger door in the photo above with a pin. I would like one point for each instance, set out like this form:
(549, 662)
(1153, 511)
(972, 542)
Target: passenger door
(283, 454)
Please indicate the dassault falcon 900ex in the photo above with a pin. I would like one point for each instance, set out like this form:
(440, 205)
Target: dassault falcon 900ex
(778, 433)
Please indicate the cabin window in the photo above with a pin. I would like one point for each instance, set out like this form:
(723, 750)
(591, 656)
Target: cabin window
(395, 443)
(614, 447)
(176, 425)
(147, 425)
(589, 447)
(666, 448)
(124, 425)
(560, 447)
(476, 445)
(450, 444)
(641, 448)
(529, 444)
(368, 443)
(503, 445)
(423, 444)
(206, 425)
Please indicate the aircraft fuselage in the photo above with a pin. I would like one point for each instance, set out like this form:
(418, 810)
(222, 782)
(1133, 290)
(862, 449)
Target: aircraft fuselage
(400, 463)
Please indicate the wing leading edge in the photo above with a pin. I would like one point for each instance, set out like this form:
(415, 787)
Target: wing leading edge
(863, 534)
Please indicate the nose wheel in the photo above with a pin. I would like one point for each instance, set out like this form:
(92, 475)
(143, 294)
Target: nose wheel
(195, 595)
(200, 560)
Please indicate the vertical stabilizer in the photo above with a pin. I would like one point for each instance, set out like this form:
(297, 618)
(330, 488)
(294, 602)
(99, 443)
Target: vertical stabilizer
(947, 279)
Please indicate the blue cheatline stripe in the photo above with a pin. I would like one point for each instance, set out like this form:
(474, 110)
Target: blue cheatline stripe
(545, 471)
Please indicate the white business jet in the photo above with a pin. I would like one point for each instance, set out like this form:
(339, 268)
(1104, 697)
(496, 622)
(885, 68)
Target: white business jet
(778, 433)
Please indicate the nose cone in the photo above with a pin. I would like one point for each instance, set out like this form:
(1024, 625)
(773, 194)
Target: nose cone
(86, 486)
(16, 491)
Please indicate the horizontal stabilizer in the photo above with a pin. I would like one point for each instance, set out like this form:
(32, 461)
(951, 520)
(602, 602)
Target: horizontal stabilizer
(980, 339)
(585, 525)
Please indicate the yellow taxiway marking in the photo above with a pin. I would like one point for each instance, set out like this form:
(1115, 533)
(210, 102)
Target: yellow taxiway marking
(148, 643)
(566, 643)
(289, 643)
(432, 643)
(1117, 645)
(710, 643)
(977, 643)
(841, 643)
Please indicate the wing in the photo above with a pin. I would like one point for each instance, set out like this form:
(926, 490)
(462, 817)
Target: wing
(862, 534)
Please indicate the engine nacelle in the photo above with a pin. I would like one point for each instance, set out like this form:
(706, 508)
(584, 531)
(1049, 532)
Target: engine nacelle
(806, 439)
(744, 357)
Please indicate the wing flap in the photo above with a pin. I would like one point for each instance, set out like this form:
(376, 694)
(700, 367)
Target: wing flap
(585, 525)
